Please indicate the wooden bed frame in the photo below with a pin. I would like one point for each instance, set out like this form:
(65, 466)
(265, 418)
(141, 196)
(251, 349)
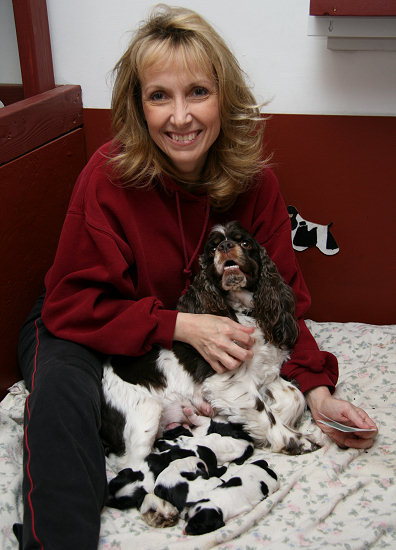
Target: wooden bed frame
(42, 150)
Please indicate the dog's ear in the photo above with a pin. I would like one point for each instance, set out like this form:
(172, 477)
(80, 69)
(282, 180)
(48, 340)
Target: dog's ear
(203, 296)
(274, 305)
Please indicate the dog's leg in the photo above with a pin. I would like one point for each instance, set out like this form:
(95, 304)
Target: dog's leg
(284, 400)
(268, 430)
(288, 404)
(142, 413)
(141, 428)
(265, 427)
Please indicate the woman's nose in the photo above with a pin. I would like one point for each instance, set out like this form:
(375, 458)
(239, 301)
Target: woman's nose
(181, 115)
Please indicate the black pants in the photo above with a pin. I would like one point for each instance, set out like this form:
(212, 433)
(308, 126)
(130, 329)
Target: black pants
(64, 484)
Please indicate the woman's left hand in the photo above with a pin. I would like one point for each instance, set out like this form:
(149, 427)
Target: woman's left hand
(321, 402)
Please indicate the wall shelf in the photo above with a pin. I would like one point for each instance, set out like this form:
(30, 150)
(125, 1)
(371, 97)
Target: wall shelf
(355, 33)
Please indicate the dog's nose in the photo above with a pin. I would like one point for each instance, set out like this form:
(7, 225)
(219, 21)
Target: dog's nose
(225, 246)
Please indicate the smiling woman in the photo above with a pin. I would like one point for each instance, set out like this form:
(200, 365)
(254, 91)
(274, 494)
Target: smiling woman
(225, 141)
(181, 108)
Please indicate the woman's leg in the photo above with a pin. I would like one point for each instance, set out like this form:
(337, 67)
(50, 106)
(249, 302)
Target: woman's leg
(64, 485)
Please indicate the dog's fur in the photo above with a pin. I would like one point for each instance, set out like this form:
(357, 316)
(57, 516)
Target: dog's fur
(236, 279)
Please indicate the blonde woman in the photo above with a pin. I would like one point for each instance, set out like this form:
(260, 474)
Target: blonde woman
(186, 155)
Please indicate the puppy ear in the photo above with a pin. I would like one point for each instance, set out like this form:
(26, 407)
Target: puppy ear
(203, 296)
(274, 305)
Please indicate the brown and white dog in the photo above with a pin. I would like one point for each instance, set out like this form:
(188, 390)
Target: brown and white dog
(142, 395)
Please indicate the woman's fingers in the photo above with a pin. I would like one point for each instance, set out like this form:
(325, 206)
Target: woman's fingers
(222, 342)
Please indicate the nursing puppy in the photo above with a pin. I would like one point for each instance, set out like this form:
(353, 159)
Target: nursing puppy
(160, 488)
(239, 494)
(183, 470)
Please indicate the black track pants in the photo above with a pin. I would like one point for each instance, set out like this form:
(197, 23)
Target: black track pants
(64, 484)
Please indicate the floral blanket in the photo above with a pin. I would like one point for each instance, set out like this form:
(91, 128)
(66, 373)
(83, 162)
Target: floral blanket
(330, 498)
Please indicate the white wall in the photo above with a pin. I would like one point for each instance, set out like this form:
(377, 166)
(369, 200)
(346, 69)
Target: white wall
(269, 37)
(10, 71)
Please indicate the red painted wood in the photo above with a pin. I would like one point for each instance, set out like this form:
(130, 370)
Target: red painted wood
(97, 124)
(32, 122)
(34, 45)
(11, 93)
(34, 191)
(353, 7)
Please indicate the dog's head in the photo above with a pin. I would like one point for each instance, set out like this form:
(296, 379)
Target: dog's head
(203, 518)
(233, 260)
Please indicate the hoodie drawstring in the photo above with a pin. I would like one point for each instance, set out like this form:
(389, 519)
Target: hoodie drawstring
(188, 262)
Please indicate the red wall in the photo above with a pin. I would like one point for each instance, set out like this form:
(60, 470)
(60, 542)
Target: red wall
(336, 169)
(342, 170)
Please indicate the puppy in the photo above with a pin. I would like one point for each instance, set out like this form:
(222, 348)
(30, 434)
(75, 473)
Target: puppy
(169, 475)
(178, 479)
(239, 494)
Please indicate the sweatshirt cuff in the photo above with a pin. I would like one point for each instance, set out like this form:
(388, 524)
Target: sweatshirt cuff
(308, 381)
(166, 327)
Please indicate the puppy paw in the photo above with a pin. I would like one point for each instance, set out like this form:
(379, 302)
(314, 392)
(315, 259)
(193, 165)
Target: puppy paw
(157, 512)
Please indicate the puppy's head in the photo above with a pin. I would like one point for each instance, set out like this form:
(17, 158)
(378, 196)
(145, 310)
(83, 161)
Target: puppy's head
(232, 257)
(203, 519)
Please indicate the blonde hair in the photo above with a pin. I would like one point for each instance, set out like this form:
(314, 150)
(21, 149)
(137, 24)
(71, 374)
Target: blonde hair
(236, 156)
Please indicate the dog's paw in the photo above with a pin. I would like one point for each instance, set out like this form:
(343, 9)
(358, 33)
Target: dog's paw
(157, 512)
(300, 444)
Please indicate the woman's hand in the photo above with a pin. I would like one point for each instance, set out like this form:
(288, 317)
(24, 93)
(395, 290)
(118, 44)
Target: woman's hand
(222, 342)
(320, 401)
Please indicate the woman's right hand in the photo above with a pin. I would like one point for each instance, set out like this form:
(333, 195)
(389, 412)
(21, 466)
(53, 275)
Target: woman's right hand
(222, 342)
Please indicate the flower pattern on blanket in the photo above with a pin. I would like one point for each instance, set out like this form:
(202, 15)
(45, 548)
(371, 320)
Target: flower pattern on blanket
(330, 498)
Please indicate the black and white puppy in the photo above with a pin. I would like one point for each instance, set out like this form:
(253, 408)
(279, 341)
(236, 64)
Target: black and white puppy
(235, 496)
(237, 279)
(161, 487)
(184, 469)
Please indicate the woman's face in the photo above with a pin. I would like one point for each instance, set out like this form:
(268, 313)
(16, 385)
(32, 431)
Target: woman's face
(181, 108)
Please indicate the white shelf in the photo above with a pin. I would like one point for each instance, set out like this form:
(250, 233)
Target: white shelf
(355, 33)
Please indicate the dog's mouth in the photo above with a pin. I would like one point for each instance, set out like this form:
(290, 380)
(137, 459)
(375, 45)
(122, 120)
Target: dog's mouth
(233, 276)
(231, 265)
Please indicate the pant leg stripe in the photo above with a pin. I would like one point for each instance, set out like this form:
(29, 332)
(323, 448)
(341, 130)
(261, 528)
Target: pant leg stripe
(29, 496)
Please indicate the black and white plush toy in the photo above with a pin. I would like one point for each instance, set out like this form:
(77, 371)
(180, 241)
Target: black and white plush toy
(307, 234)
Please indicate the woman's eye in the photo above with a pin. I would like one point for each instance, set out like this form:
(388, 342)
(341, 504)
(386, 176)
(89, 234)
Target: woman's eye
(200, 91)
(157, 96)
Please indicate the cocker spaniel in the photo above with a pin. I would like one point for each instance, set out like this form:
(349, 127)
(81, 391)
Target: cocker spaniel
(142, 395)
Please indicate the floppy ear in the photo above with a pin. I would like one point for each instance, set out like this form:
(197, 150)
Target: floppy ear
(274, 305)
(203, 296)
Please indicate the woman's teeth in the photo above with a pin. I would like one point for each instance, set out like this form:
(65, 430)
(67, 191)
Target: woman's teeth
(184, 138)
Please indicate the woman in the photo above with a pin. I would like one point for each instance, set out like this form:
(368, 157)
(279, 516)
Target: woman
(186, 155)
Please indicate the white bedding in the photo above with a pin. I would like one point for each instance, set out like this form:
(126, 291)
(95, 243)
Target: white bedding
(330, 498)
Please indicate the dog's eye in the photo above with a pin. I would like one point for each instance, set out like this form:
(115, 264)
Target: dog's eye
(246, 245)
(212, 252)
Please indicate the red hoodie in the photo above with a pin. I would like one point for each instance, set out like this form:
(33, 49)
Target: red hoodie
(122, 263)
